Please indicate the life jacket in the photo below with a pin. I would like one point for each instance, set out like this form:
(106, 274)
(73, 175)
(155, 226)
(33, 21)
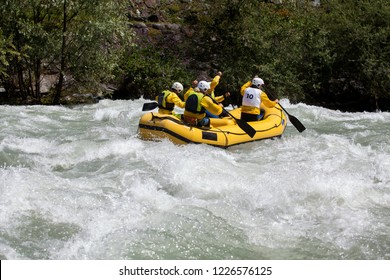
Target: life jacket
(193, 103)
(162, 101)
(252, 97)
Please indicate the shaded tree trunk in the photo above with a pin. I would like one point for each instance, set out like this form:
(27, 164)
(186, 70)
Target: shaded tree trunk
(38, 79)
(57, 95)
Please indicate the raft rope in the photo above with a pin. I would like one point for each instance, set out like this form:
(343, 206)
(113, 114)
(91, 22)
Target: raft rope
(179, 121)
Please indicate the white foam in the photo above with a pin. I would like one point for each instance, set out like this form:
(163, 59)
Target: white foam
(87, 171)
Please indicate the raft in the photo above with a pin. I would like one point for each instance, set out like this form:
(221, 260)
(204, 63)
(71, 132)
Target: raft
(223, 132)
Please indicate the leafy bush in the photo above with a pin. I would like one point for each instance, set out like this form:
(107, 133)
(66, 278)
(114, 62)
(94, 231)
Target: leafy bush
(150, 70)
(335, 55)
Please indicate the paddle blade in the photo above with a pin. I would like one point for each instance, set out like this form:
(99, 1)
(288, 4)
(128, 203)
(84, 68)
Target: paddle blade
(298, 125)
(246, 127)
(243, 125)
(149, 106)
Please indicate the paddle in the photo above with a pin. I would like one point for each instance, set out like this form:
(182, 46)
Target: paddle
(298, 125)
(149, 106)
(242, 124)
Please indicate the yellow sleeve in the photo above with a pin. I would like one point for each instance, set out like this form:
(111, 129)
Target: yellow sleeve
(219, 98)
(214, 83)
(245, 86)
(173, 98)
(267, 102)
(211, 106)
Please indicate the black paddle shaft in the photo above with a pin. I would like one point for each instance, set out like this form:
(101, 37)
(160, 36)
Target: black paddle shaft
(297, 124)
(242, 124)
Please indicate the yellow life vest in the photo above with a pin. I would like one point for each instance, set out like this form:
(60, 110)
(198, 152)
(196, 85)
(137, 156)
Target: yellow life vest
(162, 101)
(193, 103)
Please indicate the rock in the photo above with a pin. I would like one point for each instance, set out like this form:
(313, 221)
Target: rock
(48, 82)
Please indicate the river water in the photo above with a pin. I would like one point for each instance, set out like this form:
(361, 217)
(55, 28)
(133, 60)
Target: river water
(77, 183)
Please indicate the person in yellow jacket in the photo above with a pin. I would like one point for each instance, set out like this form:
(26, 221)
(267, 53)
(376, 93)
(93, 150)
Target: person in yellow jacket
(220, 98)
(167, 99)
(196, 105)
(252, 97)
(212, 85)
(193, 87)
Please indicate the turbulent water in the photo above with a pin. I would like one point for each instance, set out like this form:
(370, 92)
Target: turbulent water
(77, 183)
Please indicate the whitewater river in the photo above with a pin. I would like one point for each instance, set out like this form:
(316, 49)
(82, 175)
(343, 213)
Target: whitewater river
(77, 183)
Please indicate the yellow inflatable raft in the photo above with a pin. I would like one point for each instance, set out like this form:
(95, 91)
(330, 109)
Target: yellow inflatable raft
(222, 132)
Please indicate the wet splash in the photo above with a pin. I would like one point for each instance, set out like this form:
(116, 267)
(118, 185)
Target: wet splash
(77, 183)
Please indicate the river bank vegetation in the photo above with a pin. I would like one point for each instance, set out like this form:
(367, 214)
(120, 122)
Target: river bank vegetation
(331, 53)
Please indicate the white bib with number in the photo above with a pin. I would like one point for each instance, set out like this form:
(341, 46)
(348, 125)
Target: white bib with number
(251, 97)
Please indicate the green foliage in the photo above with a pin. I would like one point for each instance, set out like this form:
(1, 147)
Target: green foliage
(149, 71)
(7, 50)
(300, 50)
(96, 39)
(83, 39)
(332, 55)
(360, 33)
(254, 38)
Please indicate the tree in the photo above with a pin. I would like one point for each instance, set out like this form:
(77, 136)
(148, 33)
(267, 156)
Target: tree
(358, 33)
(335, 54)
(79, 40)
(7, 49)
(94, 35)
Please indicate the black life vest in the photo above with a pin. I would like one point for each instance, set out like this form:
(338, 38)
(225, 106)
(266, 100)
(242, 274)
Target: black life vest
(162, 101)
(193, 103)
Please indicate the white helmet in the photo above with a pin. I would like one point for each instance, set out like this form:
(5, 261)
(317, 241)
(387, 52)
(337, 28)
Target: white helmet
(257, 82)
(203, 86)
(177, 86)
